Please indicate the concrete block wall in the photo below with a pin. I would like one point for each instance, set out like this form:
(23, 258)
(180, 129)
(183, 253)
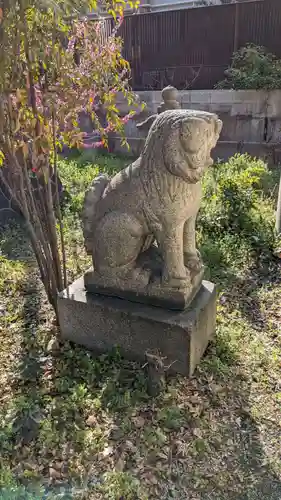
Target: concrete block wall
(252, 119)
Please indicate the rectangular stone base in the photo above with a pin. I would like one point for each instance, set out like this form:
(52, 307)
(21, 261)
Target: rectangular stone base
(101, 323)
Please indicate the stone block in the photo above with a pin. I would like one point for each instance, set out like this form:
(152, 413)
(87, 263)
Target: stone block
(251, 95)
(220, 108)
(202, 97)
(152, 100)
(274, 128)
(101, 323)
(250, 103)
(222, 97)
(249, 130)
(274, 104)
(197, 106)
(185, 99)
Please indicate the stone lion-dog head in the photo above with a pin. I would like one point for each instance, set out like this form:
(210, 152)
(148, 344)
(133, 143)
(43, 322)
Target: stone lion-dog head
(182, 141)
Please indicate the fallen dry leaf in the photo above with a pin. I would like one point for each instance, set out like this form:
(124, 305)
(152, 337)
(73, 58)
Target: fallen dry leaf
(120, 464)
(197, 432)
(54, 474)
(53, 346)
(91, 421)
(139, 421)
(107, 451)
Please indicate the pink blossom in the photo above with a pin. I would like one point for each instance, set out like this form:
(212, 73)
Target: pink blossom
(125, 119)
(109, 128)
(14, 100)
(48, 50)
(92, 145)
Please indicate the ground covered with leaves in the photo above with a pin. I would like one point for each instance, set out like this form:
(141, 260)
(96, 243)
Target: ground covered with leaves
(76, 427)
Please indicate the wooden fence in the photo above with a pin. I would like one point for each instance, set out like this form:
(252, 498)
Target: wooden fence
(191, 48)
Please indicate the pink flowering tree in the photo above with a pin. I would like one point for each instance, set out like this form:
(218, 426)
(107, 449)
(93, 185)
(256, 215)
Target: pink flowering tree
(51, 71)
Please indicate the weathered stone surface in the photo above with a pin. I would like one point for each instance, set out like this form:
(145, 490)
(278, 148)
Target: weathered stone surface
(155, 294)
(170, 101)
(100, 323)
(170, 97)
(156, 199)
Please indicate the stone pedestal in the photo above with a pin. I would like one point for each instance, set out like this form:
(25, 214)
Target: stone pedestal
(155, 293)
(101, 323)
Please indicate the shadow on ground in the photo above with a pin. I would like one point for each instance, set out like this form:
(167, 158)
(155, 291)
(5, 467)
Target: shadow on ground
(78, 417)
(233, 458)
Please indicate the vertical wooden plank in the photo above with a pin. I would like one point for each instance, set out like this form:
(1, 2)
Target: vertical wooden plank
(177, 42)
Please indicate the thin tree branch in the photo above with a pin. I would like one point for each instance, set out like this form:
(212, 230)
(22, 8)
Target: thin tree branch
(59, 214)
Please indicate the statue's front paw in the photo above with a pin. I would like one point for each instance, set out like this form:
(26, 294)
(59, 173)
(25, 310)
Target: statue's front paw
(176, 280)
(193, 261)
(141, 277)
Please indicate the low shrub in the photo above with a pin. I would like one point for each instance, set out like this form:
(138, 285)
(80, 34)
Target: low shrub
(236, 214)
(77, 174)
(252, 68)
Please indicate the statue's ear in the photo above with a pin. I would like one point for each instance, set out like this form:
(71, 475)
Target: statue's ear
(218, 126)
(147, 123)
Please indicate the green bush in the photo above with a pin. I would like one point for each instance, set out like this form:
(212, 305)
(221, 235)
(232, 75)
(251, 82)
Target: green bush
(252, 68)
(78, 173)
(17, 492)
(236, 216)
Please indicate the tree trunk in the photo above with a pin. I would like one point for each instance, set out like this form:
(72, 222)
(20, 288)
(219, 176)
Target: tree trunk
(278, 213)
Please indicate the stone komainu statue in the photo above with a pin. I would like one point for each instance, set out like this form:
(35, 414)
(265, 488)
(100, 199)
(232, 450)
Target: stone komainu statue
(154, 200)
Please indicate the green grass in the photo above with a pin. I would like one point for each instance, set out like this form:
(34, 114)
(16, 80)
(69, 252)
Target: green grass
(77, 427)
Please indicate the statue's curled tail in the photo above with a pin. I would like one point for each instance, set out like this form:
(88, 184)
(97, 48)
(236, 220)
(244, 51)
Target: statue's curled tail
(92, 197)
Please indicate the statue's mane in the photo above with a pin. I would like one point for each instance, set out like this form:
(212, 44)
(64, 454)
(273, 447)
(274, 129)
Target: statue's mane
(165, 154)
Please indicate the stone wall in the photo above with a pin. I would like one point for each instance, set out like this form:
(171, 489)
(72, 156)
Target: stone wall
(252, 119)
(251, 123)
